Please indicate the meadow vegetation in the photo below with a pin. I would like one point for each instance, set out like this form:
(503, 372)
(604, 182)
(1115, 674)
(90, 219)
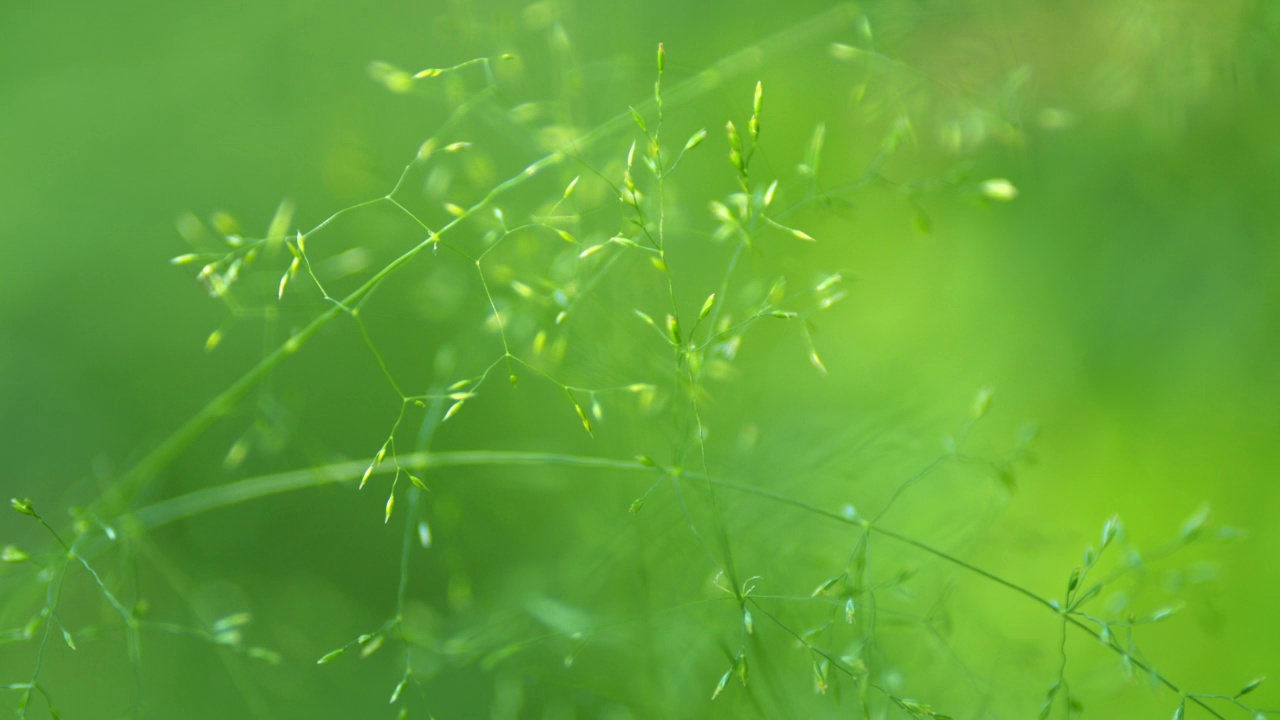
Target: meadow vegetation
(541, 432)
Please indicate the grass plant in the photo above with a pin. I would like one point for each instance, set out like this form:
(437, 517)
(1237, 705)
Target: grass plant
(598, 289)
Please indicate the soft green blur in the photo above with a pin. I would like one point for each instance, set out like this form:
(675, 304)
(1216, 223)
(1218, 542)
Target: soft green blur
(1126, 303)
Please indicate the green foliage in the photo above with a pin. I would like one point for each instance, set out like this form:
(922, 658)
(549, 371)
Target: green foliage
(587, 403)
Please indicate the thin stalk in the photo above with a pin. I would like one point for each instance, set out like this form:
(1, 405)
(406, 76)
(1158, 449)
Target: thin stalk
(200, 501)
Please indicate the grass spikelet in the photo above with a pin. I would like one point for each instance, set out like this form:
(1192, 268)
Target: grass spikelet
(453, 410)
(213, 340)
(582, 414)
(707, 305)
(998, 189)
(13, 554)
(695, 140)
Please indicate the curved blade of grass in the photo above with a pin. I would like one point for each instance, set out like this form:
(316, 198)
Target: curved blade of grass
(201, 501)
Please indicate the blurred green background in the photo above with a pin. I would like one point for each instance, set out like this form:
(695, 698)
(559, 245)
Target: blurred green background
(1126, 303)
